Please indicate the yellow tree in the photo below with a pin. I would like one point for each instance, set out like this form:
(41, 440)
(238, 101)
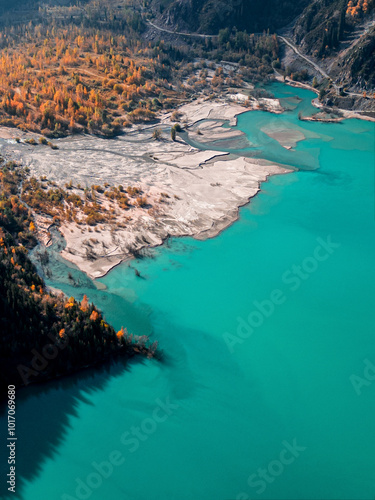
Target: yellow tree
(84, 304)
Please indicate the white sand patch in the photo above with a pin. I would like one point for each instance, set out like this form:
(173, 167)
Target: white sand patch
(203, 109)
(194, 160)
(239, 97)
(203, 201)
(210, 131)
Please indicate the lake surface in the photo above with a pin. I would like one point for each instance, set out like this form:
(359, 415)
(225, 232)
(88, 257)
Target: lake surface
(267, 388)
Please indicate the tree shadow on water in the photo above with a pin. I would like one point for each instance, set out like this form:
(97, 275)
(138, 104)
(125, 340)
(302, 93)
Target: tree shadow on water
(43, 416)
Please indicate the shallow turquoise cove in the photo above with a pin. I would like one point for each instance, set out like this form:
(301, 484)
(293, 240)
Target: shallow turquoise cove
(254, 399)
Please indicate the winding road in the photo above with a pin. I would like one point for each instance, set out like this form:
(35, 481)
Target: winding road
(366, 28)
(312, 63)
(179, 32)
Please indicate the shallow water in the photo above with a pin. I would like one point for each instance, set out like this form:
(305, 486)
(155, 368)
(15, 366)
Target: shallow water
(245, 379)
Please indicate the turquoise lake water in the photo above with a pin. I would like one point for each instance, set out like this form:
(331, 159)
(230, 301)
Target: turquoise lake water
(254, 399)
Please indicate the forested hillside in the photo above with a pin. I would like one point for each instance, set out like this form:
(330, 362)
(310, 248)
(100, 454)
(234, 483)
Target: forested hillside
(88, 69)
(340, 33)
(324, 24)
(209, 16)
(337, 30)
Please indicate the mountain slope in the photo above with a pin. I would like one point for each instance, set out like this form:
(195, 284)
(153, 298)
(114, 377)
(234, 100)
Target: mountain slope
(340, 34)
(210, 16)
(336, 34)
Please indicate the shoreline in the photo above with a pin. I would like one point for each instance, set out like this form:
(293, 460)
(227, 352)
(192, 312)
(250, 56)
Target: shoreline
(212, 232)
(199, 229)
(347, 113)
(191, 191)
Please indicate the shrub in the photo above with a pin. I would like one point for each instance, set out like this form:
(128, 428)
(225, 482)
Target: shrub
(141, 201)
(141, 115)
(176, 128)
(175, 116)
(94, 218)
(132, 191)
(157, 134)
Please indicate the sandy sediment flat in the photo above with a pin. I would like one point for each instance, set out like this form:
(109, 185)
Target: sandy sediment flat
(203, 200)
(189, 191)
(286, 135)
(224, 109)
